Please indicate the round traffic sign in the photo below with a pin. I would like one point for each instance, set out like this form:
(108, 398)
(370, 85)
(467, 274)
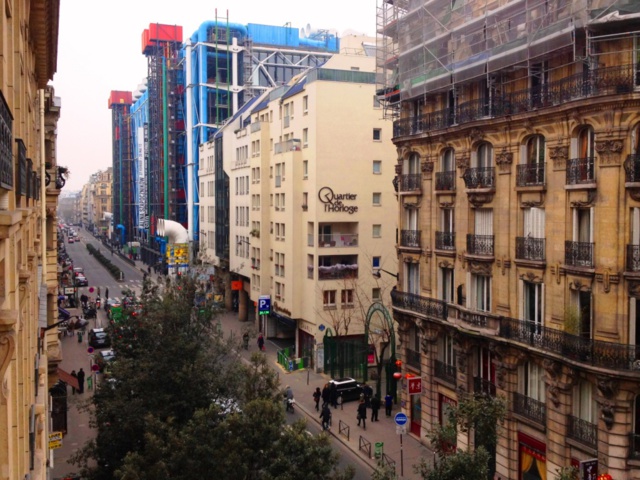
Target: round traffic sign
(401, 419)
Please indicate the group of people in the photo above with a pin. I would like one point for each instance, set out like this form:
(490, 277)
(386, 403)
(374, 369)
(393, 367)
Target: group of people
(80, 376)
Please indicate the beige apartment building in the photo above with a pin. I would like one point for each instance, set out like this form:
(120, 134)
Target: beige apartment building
(30, 183)
(99, 201)
(518, 134)
(312, 211)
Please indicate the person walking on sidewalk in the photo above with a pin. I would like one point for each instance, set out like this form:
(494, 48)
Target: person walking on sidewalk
(316, 398)
(333, 395)
(388, 403)
(325, 415)
(375, 406)
(326, 395)
(73, 374)
(362, 414)
(81, 380)
(261, 342)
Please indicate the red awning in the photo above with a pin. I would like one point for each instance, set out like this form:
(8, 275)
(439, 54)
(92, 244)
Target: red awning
(69, 379)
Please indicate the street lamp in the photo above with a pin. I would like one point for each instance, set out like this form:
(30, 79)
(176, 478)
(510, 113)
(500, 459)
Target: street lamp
(377, 273)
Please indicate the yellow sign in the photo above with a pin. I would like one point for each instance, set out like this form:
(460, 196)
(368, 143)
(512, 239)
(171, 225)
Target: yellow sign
(55, 440)
(178, 254)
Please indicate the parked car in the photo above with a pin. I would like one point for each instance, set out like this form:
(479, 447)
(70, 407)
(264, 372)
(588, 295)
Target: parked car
(81, 281)
(102, 359)
(348, 389)
(72, 240)
(78, 271)
(98, 338)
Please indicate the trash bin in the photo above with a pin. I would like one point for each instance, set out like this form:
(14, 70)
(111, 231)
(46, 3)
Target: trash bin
(377, 452)
(79, 337)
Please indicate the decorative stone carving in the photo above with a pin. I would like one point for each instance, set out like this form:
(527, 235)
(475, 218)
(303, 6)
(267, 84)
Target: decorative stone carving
(427, 167)
(531, 277)
(475, 135)
(559, 155)
(634, 289)
(554, 395)
(7, 347)
(504, 160)
(577, 285)
(609, 151)
(402, 153)
(532, 204)
(501, 376)
(608, 386)
(462, 162)
(398, 168)
(480, 268)
(462, 361)
(479, 199)
(445, 264)
(588, 202)
(608, 413)
(552, 367)
(607, 279)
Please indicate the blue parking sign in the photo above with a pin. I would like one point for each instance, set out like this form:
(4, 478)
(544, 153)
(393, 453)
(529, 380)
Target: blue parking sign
(264, 305)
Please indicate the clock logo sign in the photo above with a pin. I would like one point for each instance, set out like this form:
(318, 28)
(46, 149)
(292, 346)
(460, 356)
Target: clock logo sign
(326, 195)
(334, 202)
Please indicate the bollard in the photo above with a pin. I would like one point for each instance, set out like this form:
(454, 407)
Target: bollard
(79, 337)
(379, 446)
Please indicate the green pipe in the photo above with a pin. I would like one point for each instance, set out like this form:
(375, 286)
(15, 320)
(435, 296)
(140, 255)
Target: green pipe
(165, 135)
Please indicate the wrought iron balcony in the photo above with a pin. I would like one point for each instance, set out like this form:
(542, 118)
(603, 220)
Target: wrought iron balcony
(410, 182)
(530, 175)
(410, 238)
(426, 306)
(413, 358)
(446, 181)
(484, 177)
(480, 245)
(632, 169)
(611, 80)
(530, 248)
(633, 258)
(580, 171)
(530, 408)
(482, 385)
(578, 254)
(634, 446)
(6, 145)
(583, 431)
(445, 372)
(476, 318)
(445, 241)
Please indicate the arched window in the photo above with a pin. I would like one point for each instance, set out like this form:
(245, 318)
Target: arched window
(531, 170)
(446, 178)
(484, 156)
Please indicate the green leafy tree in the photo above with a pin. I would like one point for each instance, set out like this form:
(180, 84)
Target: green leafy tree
(181, 404)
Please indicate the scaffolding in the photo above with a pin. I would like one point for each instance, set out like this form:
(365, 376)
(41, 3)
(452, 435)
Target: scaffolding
(426, 46)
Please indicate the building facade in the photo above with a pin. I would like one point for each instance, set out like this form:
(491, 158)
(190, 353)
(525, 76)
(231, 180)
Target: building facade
(517, 139)
(30, 183)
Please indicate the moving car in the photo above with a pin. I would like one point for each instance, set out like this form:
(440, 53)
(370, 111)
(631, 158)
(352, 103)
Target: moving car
(348, 389)
(81, 281)
(98, 338)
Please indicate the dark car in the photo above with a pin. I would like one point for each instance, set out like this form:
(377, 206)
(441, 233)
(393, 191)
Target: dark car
(348, 389)
(98, 338)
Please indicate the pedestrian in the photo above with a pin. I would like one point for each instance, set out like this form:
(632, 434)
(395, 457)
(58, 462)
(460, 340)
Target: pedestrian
(261, 342)
(106, 295)
(368, 393)
(375, 406)
(362, 414)
(245, 340)
(80, 376)
(316, 398)
(98, 292)
(326, 395)
(333, 395)
(75, 375)
(388, 403)
(325, 415)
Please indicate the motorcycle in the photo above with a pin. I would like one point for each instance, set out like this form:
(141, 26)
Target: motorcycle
(98, 303)
(290, 404)
(89, 312)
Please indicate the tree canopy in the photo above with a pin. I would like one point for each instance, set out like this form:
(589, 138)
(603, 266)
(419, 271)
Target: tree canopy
(180, 403)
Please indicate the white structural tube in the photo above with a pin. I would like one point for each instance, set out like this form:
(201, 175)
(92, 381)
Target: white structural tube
(173, 230)
(190, 156)
(107, 215)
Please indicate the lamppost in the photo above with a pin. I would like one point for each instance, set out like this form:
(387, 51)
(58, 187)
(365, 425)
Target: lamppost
(377, 273)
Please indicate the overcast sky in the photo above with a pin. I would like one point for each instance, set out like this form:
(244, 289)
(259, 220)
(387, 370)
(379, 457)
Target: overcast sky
(99, 50)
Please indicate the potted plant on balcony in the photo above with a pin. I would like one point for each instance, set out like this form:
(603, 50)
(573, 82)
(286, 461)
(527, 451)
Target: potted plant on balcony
(255, 233)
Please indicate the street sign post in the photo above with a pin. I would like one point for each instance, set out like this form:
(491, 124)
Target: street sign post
(401, 420)
(55, 440)
(414, 385)
(264, 305)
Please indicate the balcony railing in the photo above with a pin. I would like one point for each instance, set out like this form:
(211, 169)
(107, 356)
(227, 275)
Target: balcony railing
(413, 358)
(633, 258)
(583, 431)
(530, 248)
(6, 145)
(578, 254)
(410, 182)
(446, 181)
(482, 385)
(530, 175)
(292, 145)
(634, 446)
(410, 238)
(337, 272)
(602, 81)
(338, 240)
(580, 171)
(426, 306)
(530, 408)
(479, 177)
(445, 372)
(445, 240)
(480, 245)
(632, 169)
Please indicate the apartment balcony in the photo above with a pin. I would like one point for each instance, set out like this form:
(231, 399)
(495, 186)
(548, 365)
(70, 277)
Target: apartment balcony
(633, 258)
(476, 178)
(445, 241)
(602, 81)
(413, 358)
(293, 145)
(425, 306)
(336, 240)
(445, 372)
(484, 386)
(530, 408)
(530, 175)
(581, 171)
(578, 254)
(481, 245)
(410, 238)
(530, 248)
(6, 146)
(446, 181)
(411, 182)
(337, 267)
(632, 169)
(583, 431)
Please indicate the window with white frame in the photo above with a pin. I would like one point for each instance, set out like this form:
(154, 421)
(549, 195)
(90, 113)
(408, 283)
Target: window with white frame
(446, 284)
(377, 167)
(305, 137)
(279, 291)
(532, 304)
(480, 293)
(329, 298)
(347, 298)
(377, 199)
(377, 231)
(305, 169)
(412, 278)
(377, 134)
(584, 402)
(446, 350)
(483, 157)
(531, 381)
(305, 104)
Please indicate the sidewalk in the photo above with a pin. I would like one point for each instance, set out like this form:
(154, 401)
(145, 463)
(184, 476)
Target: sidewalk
(344, 423)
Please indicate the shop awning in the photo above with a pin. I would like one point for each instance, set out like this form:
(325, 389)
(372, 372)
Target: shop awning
(284, 320)
(67, 378)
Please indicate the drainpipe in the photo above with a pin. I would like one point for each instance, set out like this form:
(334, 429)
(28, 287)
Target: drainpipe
(165, 135)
